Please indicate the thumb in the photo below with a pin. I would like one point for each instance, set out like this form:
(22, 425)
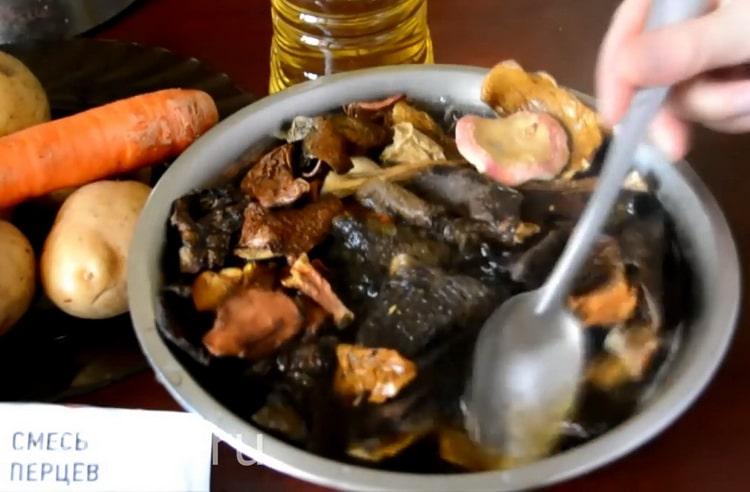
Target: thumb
(676, 53)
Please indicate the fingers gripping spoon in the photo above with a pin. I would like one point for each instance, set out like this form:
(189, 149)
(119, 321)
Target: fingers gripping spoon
(530, 355)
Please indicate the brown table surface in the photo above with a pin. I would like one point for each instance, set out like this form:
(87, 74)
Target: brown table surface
(706, 449)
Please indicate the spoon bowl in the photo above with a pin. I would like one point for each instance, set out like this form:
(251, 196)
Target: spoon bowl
(528, 419)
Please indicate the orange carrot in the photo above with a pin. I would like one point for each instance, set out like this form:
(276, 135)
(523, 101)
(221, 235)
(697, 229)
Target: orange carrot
(104, 141)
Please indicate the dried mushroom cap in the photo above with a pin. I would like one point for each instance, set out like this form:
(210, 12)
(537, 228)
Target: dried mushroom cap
(271, 181)
(253, 324)
(287, 232)
(508, 88)
(524, 146)
(362, 135)
(305, 278)
(403, 112)
(367, 109)
(603, 295)
(377, 374)
(326, 144)
(411, 145)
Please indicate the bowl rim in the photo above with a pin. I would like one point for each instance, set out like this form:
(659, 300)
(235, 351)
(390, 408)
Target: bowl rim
(666, 407)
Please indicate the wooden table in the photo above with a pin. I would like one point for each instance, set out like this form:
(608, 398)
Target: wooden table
(708, 448)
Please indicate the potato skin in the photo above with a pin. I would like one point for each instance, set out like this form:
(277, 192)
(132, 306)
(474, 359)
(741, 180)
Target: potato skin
(17, 275)
(23, 102)
(84, 260)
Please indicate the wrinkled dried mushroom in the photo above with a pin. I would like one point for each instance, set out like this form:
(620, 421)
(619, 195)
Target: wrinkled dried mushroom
(287, 232)
(272, 182)
(411, 145)
(305, 278)
(253, 324)
(376, 374)
(508, 89)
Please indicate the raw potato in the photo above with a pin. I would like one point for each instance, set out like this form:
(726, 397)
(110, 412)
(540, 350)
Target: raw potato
(23, 102)
(17, 274)
(84, 261)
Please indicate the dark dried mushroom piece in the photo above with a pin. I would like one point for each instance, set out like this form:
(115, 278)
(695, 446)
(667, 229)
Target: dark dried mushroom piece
(287, 232)
(391, 199)
(309, 363)
(280, 417)
(374, 374)
(206, 221)
(420, 305)
(306, 279)
(532, 267)
(466, 193)
(253, 324)
(271, 180)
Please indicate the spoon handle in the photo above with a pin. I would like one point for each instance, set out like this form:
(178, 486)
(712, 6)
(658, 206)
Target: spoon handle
(617, 165)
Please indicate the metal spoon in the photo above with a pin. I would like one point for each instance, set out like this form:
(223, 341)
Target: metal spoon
(530, 354)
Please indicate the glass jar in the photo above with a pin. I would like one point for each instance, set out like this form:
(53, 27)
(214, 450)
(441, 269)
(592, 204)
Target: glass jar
(319, 37)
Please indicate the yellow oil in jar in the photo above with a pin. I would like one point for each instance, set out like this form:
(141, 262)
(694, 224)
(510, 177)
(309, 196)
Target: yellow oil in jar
(320, 37)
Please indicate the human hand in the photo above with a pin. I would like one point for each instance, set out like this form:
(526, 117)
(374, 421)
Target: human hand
(707, 59)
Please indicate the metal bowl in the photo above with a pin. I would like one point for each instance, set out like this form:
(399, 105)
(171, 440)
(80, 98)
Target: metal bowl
(701, 226)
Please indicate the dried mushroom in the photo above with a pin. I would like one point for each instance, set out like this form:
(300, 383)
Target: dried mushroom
(305, 278)
(271, 181)
(508, 89)
(326, 144)
(629, 349)
(211, 288)
(362, 135)
(603, 295)
(391, 199)
(375, 374)
(522, 147)
(367, 110)
(253, 324)
(287, 232)
(411, 145)
(206, 221)
(281, 418)
(403, 112)
(348, 184)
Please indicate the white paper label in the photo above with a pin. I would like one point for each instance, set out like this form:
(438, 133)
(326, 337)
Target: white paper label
(54, 448)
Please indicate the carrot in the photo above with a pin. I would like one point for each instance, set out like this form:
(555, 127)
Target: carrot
(112, 139)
